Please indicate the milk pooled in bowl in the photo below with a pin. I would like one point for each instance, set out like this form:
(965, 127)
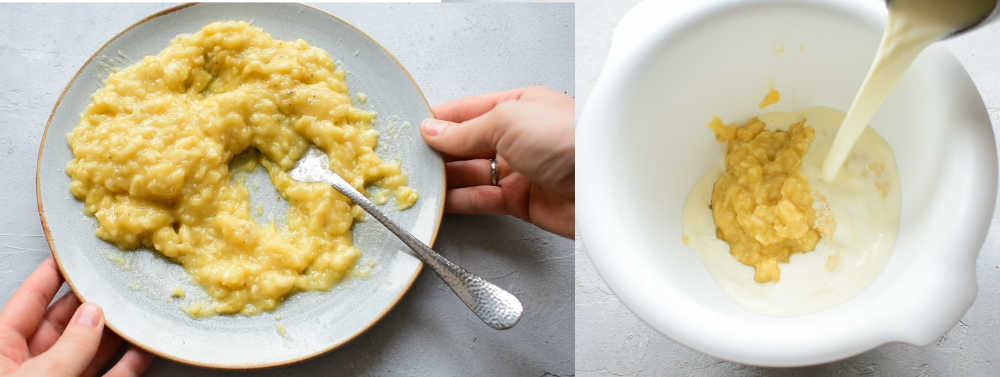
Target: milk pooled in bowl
(863, 201)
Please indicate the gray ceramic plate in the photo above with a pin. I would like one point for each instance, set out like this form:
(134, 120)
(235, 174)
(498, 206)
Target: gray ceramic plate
(134, 287)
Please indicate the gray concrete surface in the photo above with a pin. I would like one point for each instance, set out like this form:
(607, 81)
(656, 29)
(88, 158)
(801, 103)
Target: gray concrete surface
(611, 341)
(452, 51)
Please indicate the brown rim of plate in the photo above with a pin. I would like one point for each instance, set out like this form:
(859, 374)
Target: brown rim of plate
(55, 254)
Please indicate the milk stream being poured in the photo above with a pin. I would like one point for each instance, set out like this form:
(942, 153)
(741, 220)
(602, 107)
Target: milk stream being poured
(913, 25)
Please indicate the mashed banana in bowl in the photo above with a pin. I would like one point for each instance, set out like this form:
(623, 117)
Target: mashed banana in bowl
(153, 148)
(762, 204)
(777, 238)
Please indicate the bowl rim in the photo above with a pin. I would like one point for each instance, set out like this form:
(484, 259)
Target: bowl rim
(642, 31)
(153, 350)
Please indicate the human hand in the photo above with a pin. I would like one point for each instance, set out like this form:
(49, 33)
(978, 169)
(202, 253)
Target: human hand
(530, 133)
(64, 339)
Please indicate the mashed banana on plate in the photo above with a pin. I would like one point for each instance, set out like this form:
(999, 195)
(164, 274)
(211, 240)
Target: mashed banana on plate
(153, 148)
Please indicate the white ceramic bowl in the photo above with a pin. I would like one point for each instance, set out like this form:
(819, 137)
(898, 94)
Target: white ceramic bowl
(643, 144)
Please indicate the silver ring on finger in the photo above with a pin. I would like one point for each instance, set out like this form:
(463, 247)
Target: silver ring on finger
(494, 176)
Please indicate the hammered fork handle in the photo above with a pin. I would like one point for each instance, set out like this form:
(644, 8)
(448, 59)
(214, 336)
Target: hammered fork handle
(495, 306)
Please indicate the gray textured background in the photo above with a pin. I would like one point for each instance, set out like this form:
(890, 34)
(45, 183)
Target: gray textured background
(611, 341)
(452, 51)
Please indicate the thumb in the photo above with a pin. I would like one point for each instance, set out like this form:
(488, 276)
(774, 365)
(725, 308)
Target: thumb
(474, 138)
(74, 350)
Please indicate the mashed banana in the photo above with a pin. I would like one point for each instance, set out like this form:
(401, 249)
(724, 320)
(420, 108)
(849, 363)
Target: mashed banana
(857, 216)
(762, 204)
(773, 96)
(153, 148)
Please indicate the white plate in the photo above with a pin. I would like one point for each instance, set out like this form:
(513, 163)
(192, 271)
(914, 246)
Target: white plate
(134, 287)
(643, 144)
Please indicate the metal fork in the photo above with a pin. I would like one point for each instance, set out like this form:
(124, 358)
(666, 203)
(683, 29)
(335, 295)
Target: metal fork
(495, 306)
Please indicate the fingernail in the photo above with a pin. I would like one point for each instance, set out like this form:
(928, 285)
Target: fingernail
(432, 127)
(88, 315)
